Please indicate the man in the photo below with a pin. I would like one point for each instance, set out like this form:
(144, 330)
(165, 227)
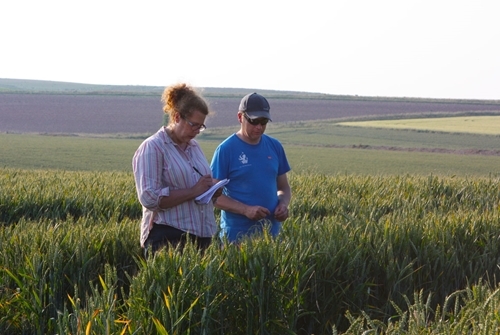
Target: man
(258, 193)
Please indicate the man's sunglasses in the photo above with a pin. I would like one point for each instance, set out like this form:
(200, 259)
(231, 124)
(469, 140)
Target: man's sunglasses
(255, 122)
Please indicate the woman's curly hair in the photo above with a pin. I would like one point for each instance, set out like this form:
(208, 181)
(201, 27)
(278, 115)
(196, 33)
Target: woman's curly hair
(182, 99)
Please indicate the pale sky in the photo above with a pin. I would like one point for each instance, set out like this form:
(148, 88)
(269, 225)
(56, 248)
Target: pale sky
(428, 49)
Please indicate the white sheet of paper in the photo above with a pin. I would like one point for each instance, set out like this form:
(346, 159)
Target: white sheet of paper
(204, 198)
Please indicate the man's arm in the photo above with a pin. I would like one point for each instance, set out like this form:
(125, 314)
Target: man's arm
(252, 212)
(284, 197)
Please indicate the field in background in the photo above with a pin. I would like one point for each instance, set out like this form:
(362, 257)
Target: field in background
(321, 147)
(65, 108)
(105, 114)
(66, 126)
(486, 125)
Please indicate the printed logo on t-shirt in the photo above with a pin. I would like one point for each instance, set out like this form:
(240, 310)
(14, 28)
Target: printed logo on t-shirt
(243, 158)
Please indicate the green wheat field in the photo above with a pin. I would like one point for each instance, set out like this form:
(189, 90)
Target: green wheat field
(391, 231)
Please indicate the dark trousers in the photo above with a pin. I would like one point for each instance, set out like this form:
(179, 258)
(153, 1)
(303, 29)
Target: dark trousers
(162, 235)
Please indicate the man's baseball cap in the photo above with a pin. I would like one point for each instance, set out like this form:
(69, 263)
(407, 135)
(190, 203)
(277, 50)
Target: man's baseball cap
(255, 106)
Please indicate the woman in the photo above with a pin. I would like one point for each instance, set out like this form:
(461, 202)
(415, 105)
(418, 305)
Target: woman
(170, 171)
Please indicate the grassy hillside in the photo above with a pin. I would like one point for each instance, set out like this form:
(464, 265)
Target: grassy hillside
(44, 86)
(321, 147)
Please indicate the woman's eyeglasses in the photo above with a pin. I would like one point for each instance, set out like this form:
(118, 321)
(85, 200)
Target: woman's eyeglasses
(195, 126)
(255, 122)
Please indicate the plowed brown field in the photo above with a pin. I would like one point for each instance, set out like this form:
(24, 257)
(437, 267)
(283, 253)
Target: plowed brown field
(101, 114)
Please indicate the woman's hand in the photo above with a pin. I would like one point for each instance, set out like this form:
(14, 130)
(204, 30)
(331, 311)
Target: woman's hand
(203, 184)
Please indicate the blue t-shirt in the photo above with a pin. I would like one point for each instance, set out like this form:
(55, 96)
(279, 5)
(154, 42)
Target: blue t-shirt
(253, 170)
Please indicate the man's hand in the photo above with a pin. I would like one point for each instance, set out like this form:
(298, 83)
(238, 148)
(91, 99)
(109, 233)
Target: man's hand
(217, 193)
(256, 212)
(281, 212)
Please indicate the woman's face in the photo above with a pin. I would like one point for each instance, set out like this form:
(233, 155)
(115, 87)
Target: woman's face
(187, 128)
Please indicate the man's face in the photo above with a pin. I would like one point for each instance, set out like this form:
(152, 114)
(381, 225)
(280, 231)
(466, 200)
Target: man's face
(253, 129)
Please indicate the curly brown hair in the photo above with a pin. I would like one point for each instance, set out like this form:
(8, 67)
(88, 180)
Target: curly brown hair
(182, 99)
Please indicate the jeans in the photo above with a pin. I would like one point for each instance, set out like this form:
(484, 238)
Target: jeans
(163, 235)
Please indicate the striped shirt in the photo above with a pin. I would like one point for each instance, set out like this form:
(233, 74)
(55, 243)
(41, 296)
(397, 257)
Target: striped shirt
(160, 165)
